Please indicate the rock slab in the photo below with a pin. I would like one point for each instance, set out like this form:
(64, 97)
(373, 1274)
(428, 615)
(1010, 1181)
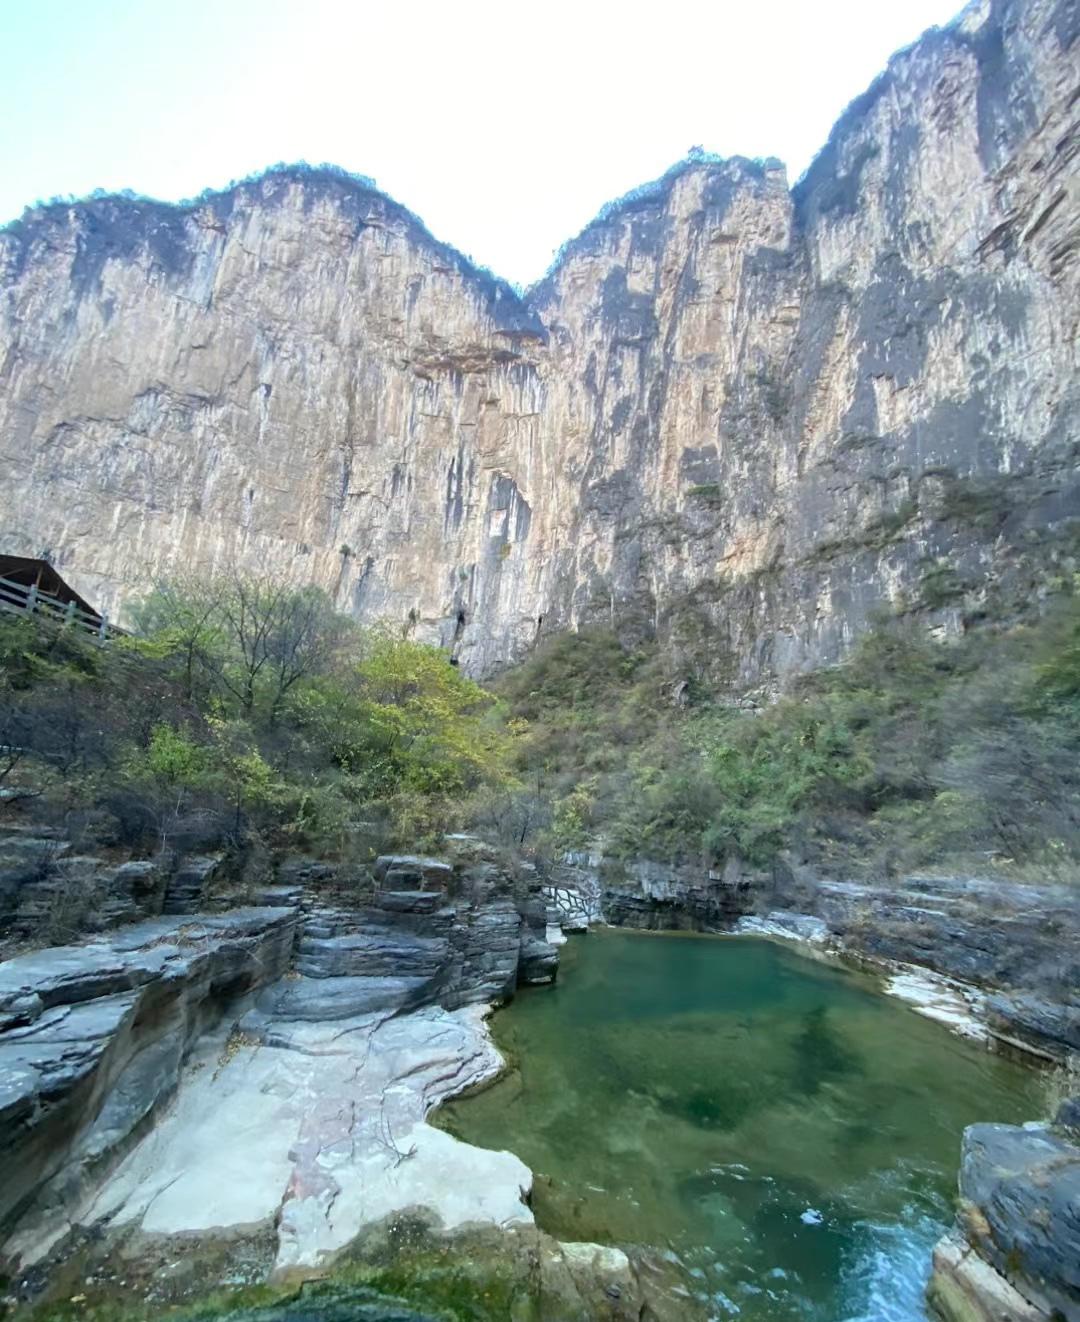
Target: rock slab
(91, 1042)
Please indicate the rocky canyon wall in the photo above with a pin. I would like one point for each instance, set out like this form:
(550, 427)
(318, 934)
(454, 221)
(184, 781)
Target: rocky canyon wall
(736, 415)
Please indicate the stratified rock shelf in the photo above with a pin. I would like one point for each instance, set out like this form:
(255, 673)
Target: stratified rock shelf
(263, 1072)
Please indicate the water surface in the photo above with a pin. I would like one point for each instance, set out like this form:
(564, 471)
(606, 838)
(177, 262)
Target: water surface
(785, 1130)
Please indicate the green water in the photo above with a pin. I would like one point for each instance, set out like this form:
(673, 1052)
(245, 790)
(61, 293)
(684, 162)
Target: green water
(787, 1132)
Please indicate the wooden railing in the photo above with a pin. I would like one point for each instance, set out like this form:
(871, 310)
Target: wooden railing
(22, 600)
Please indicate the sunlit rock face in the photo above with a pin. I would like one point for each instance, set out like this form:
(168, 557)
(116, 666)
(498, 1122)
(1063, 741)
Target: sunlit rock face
(291, 377)
(734, 415)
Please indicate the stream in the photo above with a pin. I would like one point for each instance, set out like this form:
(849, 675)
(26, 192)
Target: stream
(785, 1131)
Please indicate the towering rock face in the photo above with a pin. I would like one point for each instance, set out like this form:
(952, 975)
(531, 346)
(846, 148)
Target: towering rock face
(780, 411)
(735, 415)
(290, 377)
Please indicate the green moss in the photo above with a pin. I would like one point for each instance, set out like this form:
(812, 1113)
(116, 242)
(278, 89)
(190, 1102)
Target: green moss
(403, 1265)
(774, 393)
(881, 531)
(828, 549)
(889, 524)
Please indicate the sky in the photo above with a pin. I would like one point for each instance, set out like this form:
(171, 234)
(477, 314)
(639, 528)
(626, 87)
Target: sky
(505, 126)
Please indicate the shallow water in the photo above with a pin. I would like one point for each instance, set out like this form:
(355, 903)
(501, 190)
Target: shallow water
(786, 1131)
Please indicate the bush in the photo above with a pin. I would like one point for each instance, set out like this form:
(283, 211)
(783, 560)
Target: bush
(244, 709)
(914, 752)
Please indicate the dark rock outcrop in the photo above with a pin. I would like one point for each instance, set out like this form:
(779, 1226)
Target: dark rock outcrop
(1037, 1019)
(991, 932)
(1019, 943)
(476, 944)
(1021, 1198)
(485, 943)
(538, 960)
(678, 906)
(401, 871)
(50, 892)
(647, 894)
(1019, 1227)
(188, 886)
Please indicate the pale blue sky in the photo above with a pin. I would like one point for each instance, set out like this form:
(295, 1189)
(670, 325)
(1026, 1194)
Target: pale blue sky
(504, 126)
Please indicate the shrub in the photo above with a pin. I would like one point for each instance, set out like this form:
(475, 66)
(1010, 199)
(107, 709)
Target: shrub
(915, 751)
(244, 709)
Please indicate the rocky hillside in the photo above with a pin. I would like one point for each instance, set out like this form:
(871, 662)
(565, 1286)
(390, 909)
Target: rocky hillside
(732, 410)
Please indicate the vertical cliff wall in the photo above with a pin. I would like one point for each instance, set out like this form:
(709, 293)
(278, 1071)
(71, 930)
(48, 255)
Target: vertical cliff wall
(782, 411)
(290, 376)
(733, 414)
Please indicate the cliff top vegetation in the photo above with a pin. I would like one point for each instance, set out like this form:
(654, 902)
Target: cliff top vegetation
(132, 219)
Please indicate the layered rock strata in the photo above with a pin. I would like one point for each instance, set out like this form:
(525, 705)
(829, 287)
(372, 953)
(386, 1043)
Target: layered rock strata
(93, 1037)
(1016, 1251)
(161, 1049)
(994, 959)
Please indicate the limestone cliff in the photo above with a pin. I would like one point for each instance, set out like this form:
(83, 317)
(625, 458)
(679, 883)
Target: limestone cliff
(738, 415)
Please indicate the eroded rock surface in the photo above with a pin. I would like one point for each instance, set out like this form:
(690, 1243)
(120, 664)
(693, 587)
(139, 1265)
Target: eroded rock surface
(262, 1074)
(734, 414)
(989, 958)
(315, 1129)
(92, 1038)
(662, 897)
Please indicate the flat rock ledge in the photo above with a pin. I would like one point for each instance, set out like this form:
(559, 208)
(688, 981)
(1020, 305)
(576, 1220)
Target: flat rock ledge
(260, 1077)
(308, 1130)
(318, 1130)
(958, 993)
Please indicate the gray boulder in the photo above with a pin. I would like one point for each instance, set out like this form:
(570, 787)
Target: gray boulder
(1042, 1020)
(187, 887)
(1068, 1117)
(539, 962)
(1020, 1187)
(405, 871)
(485, 951)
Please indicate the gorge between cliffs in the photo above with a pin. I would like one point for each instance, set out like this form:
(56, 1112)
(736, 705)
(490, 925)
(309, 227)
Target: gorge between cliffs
(555, 804)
